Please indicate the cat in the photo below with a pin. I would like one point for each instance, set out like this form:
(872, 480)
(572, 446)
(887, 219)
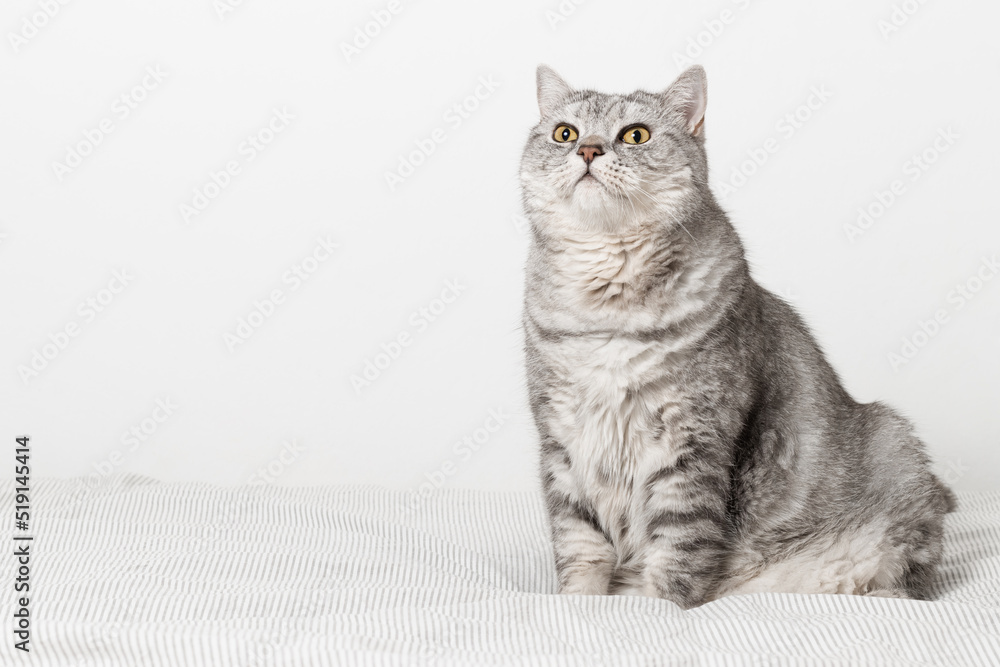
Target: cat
(694, 440)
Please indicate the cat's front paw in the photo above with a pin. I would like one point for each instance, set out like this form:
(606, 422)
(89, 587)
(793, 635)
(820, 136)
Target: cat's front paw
(585, 576)
(680, 592)
(585, 584)
(651, 590)
(583, 588)
(629, 590)
(888, 593)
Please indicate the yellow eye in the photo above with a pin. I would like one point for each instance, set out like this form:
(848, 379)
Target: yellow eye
(636, 134)
(564, 134)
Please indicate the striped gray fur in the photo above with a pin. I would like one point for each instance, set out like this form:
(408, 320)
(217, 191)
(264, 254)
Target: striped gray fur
(694, 440)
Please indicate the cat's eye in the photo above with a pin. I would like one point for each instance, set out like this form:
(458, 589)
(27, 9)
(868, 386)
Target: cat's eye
(636, 134)
(564, 134)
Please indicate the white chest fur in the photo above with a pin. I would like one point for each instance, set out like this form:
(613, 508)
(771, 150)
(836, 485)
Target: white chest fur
(632, 282)
(618, 415)
(615, 404)
(601, 266)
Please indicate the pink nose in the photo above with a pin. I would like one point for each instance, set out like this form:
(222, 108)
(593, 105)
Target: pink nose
(589, 152)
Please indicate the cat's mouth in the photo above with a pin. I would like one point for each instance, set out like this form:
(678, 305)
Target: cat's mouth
(588, 177)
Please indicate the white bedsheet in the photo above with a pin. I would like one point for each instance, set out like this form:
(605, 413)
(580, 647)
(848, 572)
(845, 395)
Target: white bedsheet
(138, 572)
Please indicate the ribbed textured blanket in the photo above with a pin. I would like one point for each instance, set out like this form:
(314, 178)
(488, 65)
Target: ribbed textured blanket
(136, 572)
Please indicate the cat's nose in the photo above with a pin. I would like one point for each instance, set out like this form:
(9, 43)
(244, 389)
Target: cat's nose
(589, 151)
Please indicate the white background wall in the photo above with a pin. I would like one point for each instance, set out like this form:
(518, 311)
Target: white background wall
(887, 96)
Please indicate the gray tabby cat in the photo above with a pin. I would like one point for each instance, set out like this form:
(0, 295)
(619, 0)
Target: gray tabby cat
(694, 440)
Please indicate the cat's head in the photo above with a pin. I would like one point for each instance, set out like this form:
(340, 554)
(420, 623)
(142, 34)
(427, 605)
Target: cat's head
(599, 162)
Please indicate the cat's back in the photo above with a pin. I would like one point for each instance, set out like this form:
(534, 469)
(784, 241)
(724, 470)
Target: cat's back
(814, 446)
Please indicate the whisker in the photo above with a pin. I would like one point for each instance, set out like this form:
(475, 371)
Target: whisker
(667, 212)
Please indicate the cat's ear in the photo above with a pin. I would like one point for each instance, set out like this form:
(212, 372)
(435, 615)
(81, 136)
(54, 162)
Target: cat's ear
(551, 89)
(687, 97)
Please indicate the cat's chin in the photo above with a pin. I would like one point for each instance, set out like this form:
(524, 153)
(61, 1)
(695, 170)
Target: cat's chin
(603, 221)
(591, 199)
(595, 210)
